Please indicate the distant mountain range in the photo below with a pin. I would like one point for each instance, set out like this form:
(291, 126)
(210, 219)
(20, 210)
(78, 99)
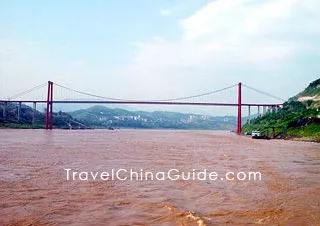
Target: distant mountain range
(103, 117)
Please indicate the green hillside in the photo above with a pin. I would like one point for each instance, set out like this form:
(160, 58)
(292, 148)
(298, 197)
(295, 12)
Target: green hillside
(299, 117)
(313, 90)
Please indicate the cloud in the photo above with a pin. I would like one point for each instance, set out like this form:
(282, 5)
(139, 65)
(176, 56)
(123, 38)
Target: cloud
(165, 12)
(235, 40)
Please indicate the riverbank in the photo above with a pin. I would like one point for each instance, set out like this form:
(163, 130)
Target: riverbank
(296, 137)
(309, 132)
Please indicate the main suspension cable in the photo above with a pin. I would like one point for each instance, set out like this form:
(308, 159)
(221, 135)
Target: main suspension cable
(27, 91)
(265, 93)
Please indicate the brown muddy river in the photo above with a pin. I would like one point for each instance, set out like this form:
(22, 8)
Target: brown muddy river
(35, 189)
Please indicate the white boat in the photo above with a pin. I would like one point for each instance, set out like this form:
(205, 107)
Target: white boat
(256, 134)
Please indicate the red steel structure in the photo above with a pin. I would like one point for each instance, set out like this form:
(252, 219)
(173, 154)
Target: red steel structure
(239, 109)
(49, 103)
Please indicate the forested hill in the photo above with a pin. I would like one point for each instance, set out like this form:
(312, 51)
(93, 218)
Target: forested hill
(299, 117)
(30, 118)
(311, 94)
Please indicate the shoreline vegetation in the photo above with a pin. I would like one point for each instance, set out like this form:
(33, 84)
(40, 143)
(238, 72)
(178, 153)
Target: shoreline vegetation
(294, 121)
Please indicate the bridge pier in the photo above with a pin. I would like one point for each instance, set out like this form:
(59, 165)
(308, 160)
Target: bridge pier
(275, 108)
(34, 113)
(19, 111)
(249, 114)
(4, 110)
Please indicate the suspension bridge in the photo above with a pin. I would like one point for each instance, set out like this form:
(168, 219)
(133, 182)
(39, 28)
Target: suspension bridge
(196, 100)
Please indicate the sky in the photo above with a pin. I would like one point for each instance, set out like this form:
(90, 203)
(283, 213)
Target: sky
(159, 49)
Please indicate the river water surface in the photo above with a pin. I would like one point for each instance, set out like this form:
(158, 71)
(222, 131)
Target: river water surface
(35, 190)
